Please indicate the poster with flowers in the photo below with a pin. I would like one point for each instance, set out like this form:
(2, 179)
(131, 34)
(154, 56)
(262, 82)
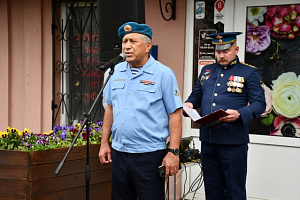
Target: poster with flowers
(273, 46)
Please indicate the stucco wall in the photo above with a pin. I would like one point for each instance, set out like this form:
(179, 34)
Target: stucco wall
(26, 64)
(168, 35)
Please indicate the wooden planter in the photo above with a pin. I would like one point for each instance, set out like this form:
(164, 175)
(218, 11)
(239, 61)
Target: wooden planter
(31, 176)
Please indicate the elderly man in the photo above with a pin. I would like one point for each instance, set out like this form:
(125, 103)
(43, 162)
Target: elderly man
(236, 88)
(143, 111)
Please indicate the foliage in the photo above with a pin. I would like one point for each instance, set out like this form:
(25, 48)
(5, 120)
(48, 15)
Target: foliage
(60, 136)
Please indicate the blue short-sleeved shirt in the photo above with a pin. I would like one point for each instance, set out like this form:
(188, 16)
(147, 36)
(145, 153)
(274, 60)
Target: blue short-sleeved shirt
(141, 106)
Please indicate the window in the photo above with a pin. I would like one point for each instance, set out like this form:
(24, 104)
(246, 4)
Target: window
(77, 78)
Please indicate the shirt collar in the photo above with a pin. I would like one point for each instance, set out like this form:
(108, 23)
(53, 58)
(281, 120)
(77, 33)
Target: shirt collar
(148, 67)
(231, 63)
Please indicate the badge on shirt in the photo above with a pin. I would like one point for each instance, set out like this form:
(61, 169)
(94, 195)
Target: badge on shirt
(120, 80)
(147, 82)
(262, 84)
(206, 73)
(176, 93)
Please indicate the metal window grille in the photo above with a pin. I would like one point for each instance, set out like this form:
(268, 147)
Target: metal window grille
(77, 78)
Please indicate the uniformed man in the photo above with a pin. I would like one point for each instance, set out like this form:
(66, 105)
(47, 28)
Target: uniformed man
(236, 88)
(143, 111)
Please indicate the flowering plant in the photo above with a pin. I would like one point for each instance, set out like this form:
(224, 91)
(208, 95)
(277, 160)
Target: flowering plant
(264, 23)
(284, 101)
(272, 34)
(60, 136)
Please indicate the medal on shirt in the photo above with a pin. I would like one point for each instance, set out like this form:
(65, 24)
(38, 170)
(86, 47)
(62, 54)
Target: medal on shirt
(235, 84)
(206, 74)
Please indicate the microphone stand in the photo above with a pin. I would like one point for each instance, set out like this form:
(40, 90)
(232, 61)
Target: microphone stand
(86, 122)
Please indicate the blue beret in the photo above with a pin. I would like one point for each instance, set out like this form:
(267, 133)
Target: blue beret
(133, 27)
(224, 40)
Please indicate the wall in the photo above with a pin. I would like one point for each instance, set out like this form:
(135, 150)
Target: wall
(26, 64)
(168, 35)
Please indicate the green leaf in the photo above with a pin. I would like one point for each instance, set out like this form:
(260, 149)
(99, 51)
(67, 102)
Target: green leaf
(268, 120)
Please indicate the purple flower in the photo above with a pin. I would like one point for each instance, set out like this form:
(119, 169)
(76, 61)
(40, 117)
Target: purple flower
(97, 129)
(41, 142)
(71, 127)
(64, 135)
(99, 123)
(56, 128)
(258, 38)
(64, 127)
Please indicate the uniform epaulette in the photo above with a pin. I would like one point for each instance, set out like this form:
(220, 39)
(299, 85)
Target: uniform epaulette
(248, 65)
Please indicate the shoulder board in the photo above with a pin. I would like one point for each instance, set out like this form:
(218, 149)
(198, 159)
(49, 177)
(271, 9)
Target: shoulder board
(248, 65)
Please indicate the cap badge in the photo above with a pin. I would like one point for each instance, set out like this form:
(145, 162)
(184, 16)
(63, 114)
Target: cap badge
(127, 28)
(219, 37)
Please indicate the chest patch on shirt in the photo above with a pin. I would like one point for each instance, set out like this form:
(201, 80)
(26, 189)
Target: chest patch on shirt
(147, 82)
(120, 80)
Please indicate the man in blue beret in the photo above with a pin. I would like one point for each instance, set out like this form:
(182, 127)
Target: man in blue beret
(143, 112)
(237, 88)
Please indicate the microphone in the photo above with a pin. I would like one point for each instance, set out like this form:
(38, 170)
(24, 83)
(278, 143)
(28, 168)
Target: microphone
(114, 61)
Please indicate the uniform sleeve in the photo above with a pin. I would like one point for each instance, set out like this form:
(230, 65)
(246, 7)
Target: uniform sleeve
(196, 95)
(170, 92)
(256, 98)
(107, 93)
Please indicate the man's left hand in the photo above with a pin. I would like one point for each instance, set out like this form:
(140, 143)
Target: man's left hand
(171, 163)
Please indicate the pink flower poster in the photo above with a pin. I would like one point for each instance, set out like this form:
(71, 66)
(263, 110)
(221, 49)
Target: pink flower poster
(273, 46)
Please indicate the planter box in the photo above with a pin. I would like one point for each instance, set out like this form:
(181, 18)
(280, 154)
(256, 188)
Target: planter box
(31, 176)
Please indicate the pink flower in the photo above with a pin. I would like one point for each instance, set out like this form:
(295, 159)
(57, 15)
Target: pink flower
(297, 8)
(297, 21)
(285, 28)
(277, 21)
(289, 127)
(258, 38)
(283, 21)
(268, 97)
(284, 10)
(271, 11)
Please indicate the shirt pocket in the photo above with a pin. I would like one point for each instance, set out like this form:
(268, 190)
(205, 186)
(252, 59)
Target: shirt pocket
(117, 85)
(148, 93)
(208, 84)
(147, 88)
(118, 89)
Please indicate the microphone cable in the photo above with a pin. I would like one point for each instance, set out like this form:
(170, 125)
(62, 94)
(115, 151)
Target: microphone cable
(198, 182)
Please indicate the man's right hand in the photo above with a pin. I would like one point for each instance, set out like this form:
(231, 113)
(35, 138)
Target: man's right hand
(105, 153)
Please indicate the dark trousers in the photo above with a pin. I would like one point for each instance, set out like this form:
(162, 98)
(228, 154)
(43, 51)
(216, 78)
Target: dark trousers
(136, 176)
(224, 170)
